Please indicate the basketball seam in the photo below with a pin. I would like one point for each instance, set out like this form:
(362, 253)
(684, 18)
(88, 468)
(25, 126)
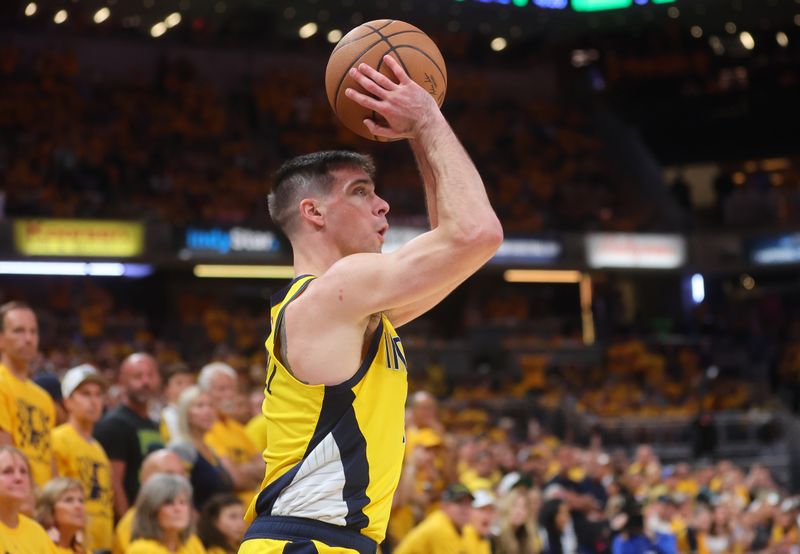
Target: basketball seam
(367, 49)
(373, 31)
(392, 48)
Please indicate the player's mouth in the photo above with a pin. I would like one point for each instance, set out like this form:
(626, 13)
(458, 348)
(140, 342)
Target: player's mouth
(382, 231)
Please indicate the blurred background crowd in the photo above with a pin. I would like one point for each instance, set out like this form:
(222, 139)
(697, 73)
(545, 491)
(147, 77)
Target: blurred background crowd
(130, 409)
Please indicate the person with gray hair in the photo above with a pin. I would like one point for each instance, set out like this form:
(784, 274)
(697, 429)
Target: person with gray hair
(164, 520)
(227, 437)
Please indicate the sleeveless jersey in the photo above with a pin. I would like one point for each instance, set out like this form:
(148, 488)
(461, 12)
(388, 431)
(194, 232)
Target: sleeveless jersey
(334, 453)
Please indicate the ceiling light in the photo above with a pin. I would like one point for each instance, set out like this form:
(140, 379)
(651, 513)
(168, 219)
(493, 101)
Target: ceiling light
(101, 15)
(334, 36)
(30, 9)
(158, 29)
(747, 40)
(308, 30)
(60, 17)
(173, 19)
(498, 44)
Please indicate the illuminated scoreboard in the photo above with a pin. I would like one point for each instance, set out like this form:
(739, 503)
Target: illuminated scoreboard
(577, 5)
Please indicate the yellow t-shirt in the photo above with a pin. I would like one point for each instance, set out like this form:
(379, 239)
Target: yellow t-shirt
(436, 533)
(256, 430)
(148, 546)
(86, 461)
(27, 413)
(228, 439)
(473, 543)
(122, 533)
(27, 538)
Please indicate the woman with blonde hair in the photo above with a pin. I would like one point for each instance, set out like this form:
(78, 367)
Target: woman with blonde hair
(60, 510)
(517, 520)
(209, 474)
(163, 520)
(18, 532)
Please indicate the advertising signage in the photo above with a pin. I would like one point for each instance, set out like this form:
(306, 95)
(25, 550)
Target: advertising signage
(230, 242)
(635, 251)
(78, 237)
(782, 249)
(513, 250)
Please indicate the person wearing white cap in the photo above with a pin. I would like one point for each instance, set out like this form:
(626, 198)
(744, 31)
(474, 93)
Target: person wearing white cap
(477, 533)
(80, 456)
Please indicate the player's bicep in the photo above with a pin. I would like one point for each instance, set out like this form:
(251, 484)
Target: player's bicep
(364, 284)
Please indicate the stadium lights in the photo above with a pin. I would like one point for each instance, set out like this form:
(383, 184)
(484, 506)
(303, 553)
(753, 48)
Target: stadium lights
(158, 29)
(172, 19)
(222, 271)
(698, 288)
(782, 38)
(83, 269)
(308, 30)
(30, 9)
(60, 17)
(498, 44)
(334, 36)
(542, 276)
(101, 15)
(747, 40)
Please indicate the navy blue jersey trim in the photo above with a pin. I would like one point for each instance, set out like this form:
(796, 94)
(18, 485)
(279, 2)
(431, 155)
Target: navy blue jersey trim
(353, 449)
(301, 530)
(365, 364)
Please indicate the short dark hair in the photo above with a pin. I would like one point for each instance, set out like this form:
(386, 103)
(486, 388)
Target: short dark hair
(10, 307)
(309, 174)
(173, 369)
(208, 533)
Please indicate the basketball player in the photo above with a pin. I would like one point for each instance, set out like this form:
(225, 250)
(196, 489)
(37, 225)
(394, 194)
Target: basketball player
(336, 375)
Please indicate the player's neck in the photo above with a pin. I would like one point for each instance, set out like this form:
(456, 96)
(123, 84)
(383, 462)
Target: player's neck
(83, 427)
(19, 368)
(314, 259)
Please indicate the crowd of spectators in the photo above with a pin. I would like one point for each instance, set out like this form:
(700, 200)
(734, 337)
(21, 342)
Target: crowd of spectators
(76, 145)
(126, 457)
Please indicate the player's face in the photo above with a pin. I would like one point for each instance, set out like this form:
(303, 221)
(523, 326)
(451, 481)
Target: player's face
(86, 403)
(69, 512)
(355, 214)
(15, 482)
(19, 339)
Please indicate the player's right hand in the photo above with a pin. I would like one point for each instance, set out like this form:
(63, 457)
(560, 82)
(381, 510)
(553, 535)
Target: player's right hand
(406, 107)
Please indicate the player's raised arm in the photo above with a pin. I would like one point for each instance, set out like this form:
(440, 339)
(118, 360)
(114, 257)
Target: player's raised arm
(468, 232)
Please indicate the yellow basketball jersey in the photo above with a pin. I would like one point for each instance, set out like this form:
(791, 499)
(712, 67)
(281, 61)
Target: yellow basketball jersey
(334, 453)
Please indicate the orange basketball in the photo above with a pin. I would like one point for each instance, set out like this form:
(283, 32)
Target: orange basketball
(369, 43)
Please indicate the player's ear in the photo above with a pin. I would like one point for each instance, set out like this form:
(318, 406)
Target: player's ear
(310, 210)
